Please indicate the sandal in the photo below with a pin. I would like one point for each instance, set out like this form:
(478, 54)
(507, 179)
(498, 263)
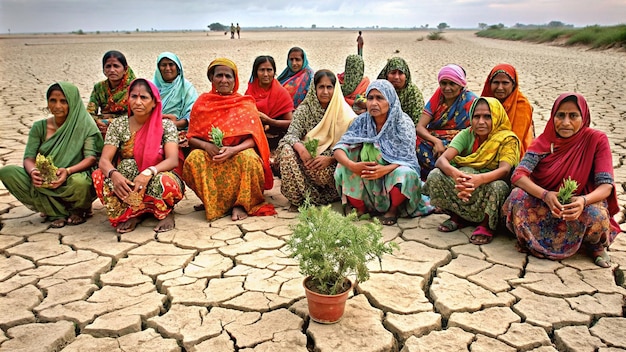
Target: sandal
(198, 207)
(75, 219)
(58, 223)
(388, 220)
(603, 260)
(452, 224)
(481, 235)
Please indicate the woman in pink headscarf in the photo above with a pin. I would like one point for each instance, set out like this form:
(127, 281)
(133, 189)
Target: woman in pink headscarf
(445, 115)
(141, 163)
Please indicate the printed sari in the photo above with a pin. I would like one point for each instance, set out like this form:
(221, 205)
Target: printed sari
(297, 83)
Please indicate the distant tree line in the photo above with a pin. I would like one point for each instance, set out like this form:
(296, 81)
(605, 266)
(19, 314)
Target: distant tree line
(217, 27)
(551, 24)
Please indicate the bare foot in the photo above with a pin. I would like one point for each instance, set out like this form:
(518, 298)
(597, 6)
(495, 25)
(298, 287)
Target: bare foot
(239, 214)
(75, 219)
(127, 226)
(58, 223)
(166, 224)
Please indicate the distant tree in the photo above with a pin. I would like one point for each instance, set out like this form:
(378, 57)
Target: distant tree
(217, 27)
(482, 26)
(441, 26)
(136, 29)
(313, 26)
(556, 24)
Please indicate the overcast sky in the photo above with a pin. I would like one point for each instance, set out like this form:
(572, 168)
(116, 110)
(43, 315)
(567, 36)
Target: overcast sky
(26, 16)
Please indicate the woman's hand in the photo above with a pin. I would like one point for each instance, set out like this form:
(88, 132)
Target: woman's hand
(374, 170)
(62, 176)
(141, 182)
(170, 117)
(553, 204)
(319, 163)
(101, 126)
(438, 147)
(574, 209)
(211, 149)
(303, 153)
(121, 185)
(266, 120)
(224, 154)
(466, 184)
(35, 177)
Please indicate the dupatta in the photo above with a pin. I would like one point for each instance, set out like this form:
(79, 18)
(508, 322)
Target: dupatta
(177, 96)
(273, 102)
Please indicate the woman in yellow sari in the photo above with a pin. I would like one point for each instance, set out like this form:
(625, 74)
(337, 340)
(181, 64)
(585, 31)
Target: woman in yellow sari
(469, 179)
(228, 174)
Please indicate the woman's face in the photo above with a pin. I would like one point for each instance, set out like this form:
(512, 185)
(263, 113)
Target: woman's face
(58, 105)
(324, 90)
(450, 89)
(567, 120)
(481, 120)
(168, 69)
(114, 70)
(501, 86)
(140, 101)
(223, 80)
(377, 104)
(265, 74)
(397, 78)
(296, 60)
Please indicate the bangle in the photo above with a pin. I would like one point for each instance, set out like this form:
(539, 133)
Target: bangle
(69, 170)
(154, 170)
(585, 200)
(544, 194)
(111, 172)
(31, 170)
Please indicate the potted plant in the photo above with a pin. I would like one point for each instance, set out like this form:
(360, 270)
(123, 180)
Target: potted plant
(330, 247)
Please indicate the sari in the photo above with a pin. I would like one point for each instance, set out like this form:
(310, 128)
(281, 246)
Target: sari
(446, 121)
(585, 157)
(411, 98)
(104, 100)
(297, 83)
(352, 80)
(502, 145)
(273, 102)
(311, 121)
(240, 180)
(392, 145)
(178, 96)
(136, 153)
(77, 139)
(517, 106)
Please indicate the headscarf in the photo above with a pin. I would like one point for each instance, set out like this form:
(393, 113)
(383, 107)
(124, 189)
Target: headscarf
(517, 107)
(177, 96)
(335, 121)
(490, 152)
(453, 73)
(455, 117)
(65, 146)
(411, 98)
(148, 149)
(273, 102)
(397, 136)
(297, 83)
(352, 80)
(574, 157)
(235, 114)
(111, 101)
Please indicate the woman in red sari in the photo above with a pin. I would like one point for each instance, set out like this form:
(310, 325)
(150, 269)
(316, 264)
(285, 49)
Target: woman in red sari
(272, 99)
(567, 148)
(145, 176)
(503, 84)
(228, 175)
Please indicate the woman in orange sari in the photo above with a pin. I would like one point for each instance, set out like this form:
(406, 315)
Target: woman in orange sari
(228, 175)
(503, 84)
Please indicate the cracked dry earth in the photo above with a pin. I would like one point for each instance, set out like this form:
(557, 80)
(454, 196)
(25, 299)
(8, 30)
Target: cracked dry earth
(225, 286)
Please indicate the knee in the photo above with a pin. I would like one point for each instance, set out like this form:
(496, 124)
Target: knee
(79, 181)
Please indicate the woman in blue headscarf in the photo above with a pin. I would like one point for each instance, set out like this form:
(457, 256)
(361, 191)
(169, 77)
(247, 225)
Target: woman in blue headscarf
(377, 168)
(177, 93)
(296, 77)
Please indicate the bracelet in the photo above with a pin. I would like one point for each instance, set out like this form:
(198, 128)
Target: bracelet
(154, 170)
(69, 171)
(31, 170)
(111, 172)
(584, 199)
(544, 194)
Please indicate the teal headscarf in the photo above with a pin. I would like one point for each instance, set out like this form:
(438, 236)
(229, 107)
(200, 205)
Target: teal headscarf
(177, 96)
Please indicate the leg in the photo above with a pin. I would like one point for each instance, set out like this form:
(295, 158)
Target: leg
(397, 198)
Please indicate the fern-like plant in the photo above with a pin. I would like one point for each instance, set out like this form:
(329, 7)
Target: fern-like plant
(311, 146)
(330, 247)
(566, 191)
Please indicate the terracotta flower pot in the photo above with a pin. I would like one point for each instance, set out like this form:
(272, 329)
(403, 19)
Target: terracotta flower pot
(326, 309)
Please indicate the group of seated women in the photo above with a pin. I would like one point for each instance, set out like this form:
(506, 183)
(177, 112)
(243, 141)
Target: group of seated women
(458, 155)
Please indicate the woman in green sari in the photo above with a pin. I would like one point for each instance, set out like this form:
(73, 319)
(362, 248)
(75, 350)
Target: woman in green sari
(72, 141)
